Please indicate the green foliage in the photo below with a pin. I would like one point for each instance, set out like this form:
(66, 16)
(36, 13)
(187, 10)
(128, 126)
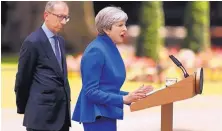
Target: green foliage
(197, 24)
(151, 22)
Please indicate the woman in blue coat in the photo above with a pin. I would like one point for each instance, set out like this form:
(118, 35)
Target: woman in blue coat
(100, 102)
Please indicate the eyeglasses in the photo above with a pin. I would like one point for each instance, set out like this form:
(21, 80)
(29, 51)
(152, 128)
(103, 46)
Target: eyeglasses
(61, 17)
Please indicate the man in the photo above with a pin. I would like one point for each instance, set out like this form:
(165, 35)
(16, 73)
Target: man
(42, 88)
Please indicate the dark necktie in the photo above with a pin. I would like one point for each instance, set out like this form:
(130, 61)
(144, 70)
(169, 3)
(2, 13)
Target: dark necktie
(57, 54)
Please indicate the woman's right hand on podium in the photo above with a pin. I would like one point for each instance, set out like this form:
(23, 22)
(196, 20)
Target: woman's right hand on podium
(138, 94)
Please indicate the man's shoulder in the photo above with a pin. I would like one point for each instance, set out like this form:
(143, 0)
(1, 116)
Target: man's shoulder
(34, 36)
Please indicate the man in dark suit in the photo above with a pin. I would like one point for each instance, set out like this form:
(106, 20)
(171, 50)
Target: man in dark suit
(42, 88)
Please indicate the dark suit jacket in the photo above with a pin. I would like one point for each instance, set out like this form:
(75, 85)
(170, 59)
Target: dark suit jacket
(42, 88)
(103, 74)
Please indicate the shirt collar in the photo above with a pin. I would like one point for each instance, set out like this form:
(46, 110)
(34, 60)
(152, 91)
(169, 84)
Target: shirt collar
(48, 33)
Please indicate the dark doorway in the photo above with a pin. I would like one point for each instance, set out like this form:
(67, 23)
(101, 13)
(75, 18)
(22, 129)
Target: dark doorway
(173, 10)
(130, 7)
(4, 11)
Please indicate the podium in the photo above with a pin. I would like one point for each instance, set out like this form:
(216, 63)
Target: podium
(184, 89)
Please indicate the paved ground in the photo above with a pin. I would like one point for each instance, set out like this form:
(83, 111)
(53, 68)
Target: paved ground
(201, 113)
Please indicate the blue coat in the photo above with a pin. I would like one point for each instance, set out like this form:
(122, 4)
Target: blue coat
(103, 74)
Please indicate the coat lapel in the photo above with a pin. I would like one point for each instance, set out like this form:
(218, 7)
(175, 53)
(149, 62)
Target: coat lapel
(62, 48)
(49, 51)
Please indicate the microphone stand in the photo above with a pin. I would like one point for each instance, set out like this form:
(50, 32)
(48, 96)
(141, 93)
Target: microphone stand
(179, 65)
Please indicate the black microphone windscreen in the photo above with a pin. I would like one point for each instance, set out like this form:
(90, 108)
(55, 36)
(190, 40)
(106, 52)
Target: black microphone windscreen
(175, 60)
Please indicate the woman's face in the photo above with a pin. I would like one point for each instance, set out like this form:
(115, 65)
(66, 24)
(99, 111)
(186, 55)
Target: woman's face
(117, 32)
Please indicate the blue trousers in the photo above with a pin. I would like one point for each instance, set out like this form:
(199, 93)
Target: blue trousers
(101, 124)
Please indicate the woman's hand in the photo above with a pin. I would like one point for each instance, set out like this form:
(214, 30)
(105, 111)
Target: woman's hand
(137, 94)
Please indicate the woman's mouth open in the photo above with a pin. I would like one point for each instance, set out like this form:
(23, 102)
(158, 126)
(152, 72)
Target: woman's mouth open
(123, 35)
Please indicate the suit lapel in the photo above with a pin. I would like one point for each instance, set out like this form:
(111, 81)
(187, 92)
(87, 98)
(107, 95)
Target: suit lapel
(62, 48)
(49, 51)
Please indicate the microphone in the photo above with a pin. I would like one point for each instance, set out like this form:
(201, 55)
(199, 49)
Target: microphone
(175, 60)
(179, 65)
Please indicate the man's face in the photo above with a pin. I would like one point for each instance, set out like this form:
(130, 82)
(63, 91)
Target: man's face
(57, 18)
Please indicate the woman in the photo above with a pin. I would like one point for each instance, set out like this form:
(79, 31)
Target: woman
(100, 102)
